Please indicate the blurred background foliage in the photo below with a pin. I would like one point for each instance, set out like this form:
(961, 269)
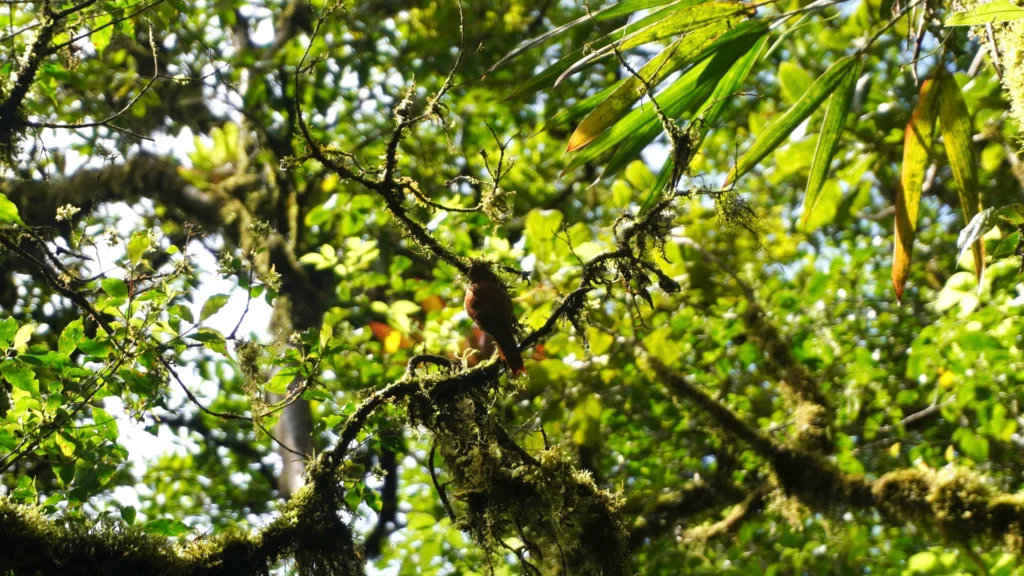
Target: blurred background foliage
(149, 168)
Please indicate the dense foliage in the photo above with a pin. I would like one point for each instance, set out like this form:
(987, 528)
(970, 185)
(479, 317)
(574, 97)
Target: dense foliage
(767, 298)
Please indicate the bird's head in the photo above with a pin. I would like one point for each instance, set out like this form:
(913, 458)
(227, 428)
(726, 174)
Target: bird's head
(480, 271)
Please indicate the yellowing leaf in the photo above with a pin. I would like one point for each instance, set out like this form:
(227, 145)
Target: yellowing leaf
(947, 379)
(917, 145)
(957, 136)
(392, 342)
(66, 444)
(22, 337)
(432, 303)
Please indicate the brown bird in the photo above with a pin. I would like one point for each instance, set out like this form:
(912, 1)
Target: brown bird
(489, 305)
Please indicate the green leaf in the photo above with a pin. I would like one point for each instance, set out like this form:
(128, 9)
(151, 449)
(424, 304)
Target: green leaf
(106, 425)
(8, 328)
(213, 305)
(794, 81)
(98, 348)
(676, 56)
(990, 13)
(8, 211)
(137, 246)
(165, 527)
(316, 394)
(972, 445)
(541, 227)
(26, 490)
(959, 289)
(585, 422)
(629, 6)
(827, 208)
(115, 287)
(958, 138)
(72, 335)
(102, 36)
(781, 128)
(211, 337)
(182, 312)
(751, 35)
(279, 383)
(128, 514)
(400, 311)
(1013, 213)
(828, 139)
(917, 149)
(419, 520)
(21, 377)
(1007, 246)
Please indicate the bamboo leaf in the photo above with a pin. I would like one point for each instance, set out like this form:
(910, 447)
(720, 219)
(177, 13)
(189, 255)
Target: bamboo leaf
(613, 11)
(704, 90)
(641, 125)
(743, 34)
(579, 109)
(955, 121)
(917, 146)
(711, 109)
(630, 6)
(828, 139)
(684, 21)
(990, 13)
(551, 73)
(676, 56)
(804, 107)
(737, 74)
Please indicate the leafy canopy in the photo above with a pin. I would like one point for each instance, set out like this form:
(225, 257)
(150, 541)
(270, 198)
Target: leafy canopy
(234, 240)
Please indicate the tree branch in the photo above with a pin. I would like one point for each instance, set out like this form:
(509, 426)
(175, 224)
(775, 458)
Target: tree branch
(953, 501)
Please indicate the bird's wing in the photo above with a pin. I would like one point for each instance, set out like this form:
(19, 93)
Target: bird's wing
(491, 308)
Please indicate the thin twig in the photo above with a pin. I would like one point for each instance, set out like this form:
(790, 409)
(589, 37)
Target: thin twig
(437, 485)
(106, 121)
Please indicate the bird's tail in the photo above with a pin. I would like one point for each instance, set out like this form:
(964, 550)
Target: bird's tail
(509, 352)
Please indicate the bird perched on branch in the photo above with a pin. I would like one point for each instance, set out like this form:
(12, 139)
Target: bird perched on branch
(489, 305)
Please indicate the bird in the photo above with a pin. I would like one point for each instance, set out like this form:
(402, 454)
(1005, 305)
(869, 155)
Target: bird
(489, 305)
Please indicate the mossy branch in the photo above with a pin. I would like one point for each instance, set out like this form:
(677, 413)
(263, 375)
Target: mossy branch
(956, 503)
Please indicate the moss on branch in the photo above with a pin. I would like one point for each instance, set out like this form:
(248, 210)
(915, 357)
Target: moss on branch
(954, 502)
